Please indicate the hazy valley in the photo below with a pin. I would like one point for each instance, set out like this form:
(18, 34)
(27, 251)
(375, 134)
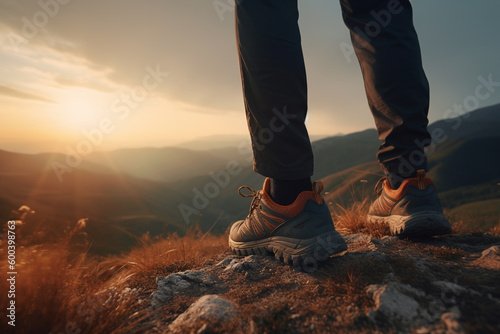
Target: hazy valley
(129, 192)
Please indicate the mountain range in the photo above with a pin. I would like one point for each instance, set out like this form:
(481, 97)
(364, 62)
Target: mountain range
(128, 192)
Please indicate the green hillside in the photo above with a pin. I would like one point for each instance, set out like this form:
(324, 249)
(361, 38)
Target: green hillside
(483, 214)
(466, 173)
(466, 162)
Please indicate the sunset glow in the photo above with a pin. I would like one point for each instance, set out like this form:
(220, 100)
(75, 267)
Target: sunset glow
(63, 73)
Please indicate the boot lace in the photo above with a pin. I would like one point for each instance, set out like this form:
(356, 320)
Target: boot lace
(379, 186)
(255, 194)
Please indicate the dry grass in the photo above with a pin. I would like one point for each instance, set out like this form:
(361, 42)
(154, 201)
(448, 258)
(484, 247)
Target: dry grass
(463, 227)
(57, 291)
(352, 219)
(495, 230)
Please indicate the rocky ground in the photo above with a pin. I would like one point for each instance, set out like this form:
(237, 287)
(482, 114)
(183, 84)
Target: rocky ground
(441, 285)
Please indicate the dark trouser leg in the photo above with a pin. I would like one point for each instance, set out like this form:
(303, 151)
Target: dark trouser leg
(274, 87)
(388, 51)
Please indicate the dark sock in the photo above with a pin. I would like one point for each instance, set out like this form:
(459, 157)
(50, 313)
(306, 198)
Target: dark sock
(285, 192)
(399, 170)
(395, 180)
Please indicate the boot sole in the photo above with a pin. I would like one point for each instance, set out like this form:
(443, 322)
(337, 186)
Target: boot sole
(422, 224)
(303, 253)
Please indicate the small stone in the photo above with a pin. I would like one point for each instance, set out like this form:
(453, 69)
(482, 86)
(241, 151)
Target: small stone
(225, 262)
(242, 265)
(450, 319)
(389, 239)
(377, 258)
(422, 330)
(391, 303)
(448, 286)
(177, 283)
(357, 238)
(491, 253)
(409, 289)
(490, 258)
(421, 264)
(210, 309)
(202, 330)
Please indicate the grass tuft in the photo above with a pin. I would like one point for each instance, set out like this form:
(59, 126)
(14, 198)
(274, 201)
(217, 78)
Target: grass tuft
(58, 291)
(352, 219)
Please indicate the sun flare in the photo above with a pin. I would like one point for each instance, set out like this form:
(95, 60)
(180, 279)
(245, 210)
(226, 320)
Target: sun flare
(80, 109)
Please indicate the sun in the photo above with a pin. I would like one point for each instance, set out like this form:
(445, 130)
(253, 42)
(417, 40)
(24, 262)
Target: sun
(80, 109)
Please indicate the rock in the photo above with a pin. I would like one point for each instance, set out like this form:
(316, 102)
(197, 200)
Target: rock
(129, 291)
(210, 309)
(451, 287)
(492, 253)
(242, 264)
(450, 319)
(177, 283)
(225, 261)
(202, 330)
(422, 330)
(422, 265)
(490, 258)
(409, 289)
(389, 239)
(357, 240)
(390, 302)
(376, 256)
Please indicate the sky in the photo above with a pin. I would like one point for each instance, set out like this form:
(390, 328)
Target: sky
(128, 73)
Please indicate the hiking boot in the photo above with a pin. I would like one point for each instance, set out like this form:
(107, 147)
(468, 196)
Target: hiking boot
(301, 233)
(411, 210)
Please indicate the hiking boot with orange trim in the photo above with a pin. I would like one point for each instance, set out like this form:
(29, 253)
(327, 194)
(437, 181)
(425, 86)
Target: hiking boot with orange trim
(412, 210)
(301, 233)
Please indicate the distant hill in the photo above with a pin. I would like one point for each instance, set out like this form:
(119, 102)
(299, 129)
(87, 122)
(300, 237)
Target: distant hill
(335, 154)
(482, 213)
(216, 142)
(166, 164)
(126, 193)
(20, 164)
(479, 123)
(465, 167)
(120, 208)
(465, 171)
(466, 162)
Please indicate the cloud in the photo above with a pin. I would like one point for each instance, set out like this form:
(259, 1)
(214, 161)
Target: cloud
(186, 38)
(13, 92)
(64, 81)
(189, 40)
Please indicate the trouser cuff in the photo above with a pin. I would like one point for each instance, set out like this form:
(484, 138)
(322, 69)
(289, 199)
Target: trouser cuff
(402, 168)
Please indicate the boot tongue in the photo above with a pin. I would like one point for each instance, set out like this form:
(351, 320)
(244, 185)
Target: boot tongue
(317, 188)
(266, 187)
(420, 179)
